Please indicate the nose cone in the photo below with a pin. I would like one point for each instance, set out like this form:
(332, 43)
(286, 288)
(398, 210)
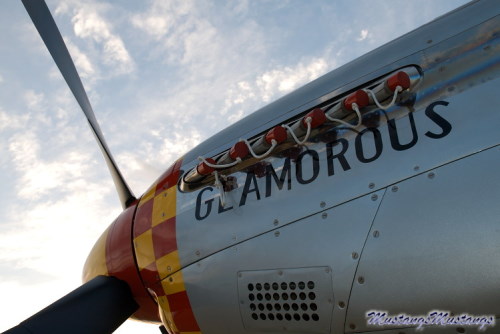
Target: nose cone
(95, 264)
(113, 255)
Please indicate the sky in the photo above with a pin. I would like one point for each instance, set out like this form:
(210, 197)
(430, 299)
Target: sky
(162, 76)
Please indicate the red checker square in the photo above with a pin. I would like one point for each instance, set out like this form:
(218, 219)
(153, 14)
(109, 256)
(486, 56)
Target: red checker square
(181, 312)
(150, 276)
(169, 178)
(164, 238)
(143, 218)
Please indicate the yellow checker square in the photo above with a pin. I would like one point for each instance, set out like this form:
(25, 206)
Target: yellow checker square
(164, 206)
(148, 195)
(168, 264)
(173, 284)
(144, 250)
(167, 315)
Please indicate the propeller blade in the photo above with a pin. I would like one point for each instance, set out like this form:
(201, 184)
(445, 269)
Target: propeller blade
(47, 28)
(99, 306)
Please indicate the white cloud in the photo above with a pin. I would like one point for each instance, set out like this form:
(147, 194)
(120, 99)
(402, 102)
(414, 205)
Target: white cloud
(362, 35)
(89, 24)
(82, 61)
(35, 101)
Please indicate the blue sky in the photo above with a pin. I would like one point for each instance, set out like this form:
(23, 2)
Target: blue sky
(162, 76)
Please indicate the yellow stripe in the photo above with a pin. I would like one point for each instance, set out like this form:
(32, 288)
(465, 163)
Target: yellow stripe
(95, 264)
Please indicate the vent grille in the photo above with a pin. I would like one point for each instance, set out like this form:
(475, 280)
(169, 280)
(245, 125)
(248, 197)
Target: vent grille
(283, 301)
(297, 299)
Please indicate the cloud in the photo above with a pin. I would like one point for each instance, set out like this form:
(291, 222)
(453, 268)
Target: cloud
(362, 35)
(89, 24)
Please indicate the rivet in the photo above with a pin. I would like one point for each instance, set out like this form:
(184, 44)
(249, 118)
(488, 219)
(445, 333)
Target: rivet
(429, 41)
(431, 175)
(376, 234)
(322, 204)
(394, 189)
(280, 272)
(197, 253)
(242, 302)
(416, 168)
(361, 280)
(355, 255)
(352, 326)
(276, 222)
(324, 215)
(374, 197)
(451, 88)
(169, 268)
(163, 214)
(329, 300)
(277, 233)
(240, 274)
(327, 270)
(165, 194)
(341, 304)
(371, 185)
(170, 279)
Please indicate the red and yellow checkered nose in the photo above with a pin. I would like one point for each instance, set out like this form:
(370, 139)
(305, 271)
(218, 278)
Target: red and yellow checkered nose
(113, 255)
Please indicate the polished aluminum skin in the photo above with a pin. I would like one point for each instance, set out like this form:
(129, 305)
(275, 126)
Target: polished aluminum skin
(403, 212)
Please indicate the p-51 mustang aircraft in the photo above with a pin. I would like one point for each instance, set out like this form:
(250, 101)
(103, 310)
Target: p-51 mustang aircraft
(362, 202)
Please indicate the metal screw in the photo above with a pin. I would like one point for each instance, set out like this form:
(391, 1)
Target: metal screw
(429, 41)
(276, 222)
(416, 168)
(171, 279)
(376, 234)
(280, 272)
(394, 189)
(374, 197)
(322, 204)
(361, 280)
(324, 215)
(341, 304)
(198, 253)
(355, 255)
(277, 233)
(371, 185)
(431, 175)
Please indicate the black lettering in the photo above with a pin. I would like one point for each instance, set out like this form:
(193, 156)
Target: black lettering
(340, 156)
(440, 121)
(298, 166)
(222, 208)
(251, 179)
(285, 173)
(359, 145)
(393, 134)
(208, 203)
